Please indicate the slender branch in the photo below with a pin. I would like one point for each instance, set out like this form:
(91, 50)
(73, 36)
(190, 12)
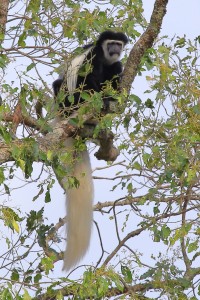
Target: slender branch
(25, 120)
(131, 200)
(183, 244)
(139, 230)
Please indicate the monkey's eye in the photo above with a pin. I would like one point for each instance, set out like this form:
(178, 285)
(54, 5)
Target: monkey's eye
(119, 44)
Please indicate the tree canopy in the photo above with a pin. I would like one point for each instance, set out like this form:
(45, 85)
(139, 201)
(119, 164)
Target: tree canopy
(146, 234)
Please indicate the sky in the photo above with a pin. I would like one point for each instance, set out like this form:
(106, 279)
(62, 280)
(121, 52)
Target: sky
(182, 17)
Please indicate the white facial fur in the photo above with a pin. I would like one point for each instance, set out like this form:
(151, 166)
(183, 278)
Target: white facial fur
(111, 58)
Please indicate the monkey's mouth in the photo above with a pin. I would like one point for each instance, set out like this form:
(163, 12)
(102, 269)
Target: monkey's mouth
(114, 53)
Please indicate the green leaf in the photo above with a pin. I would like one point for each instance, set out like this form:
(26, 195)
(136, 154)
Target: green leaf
(149, 103)
(47, 197)
(10, 218)
(59, 296)
(39, 193)
(192, 246)
(148, 274)
(34, 6)
(156, 210)
(3, 61)
(165, 232)
(31, 66)
(180, 43)
(180, 233)
(103, 285)
(6, 135)
(127, 274)
(34, 219)
(50, 155)
(118, 283)
(47, 264)
(15, 275)
(135, 98)
(21, 164)
(37, 278)
(15, 226)
(6, 295)
(22, 38)
(7, 190)
(146, 157)
(137, 166)
(2, 177)
(26, 295)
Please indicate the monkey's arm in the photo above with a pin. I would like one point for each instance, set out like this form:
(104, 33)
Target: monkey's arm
(57, 85)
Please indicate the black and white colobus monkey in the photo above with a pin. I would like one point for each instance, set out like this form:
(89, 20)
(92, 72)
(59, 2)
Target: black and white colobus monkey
(103, 57)
(103, 60)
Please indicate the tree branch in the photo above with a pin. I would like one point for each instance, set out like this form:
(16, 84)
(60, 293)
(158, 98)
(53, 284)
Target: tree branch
(3, 18)
(145, 42)
(62, 129)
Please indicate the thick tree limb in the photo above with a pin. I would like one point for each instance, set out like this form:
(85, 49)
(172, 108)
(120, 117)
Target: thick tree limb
(50, 141)
(53, 140)
(145, 42)
(3, 18)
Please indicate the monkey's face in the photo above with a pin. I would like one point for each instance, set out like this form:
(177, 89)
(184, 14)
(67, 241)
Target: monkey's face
(112, 50)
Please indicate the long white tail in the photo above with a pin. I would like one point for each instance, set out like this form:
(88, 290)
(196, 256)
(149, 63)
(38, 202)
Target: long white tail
(79, 203)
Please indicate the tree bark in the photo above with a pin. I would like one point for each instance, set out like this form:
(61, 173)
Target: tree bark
(3, 18)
